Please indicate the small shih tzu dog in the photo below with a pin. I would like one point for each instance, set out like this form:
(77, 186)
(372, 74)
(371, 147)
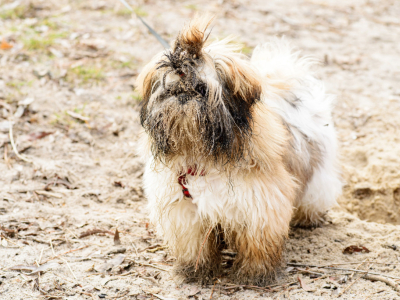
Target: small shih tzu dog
(236, 151)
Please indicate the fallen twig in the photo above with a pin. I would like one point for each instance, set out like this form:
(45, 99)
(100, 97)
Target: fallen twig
(77, 116)
(212, 291)
(356, 263)
(44, 242)
(349, 286)
(21, 157)
(374, 293)
(309, 272)
(153, 266)
(121, 295)
(54, 254)
(157, 249)
(352, 274)
(58, 181)
(6, 160)
(272, 288)
(150, 247)
(66, 252)
(383, 279)
(342, 269)
(359, 265)
(201, 248)
(48, 194)
(94, 231)
(148, 278)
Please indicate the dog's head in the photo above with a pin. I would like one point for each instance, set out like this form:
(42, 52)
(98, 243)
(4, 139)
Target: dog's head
(198, 99)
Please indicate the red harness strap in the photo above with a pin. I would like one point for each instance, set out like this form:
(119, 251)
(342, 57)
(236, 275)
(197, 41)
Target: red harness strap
(182, 180)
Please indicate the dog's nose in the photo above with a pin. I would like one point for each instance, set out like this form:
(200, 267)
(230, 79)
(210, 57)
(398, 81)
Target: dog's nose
(183, 98)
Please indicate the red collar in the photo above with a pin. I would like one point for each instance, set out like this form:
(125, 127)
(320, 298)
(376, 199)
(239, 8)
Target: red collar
(182, 180)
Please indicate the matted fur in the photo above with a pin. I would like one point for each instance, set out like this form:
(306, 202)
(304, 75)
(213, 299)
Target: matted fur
(260, 134)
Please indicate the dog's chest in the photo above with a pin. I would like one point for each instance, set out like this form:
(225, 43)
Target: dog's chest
(213, 195)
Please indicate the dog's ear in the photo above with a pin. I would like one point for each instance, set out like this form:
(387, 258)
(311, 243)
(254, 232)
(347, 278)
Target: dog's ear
(193, 38)
(147, 78)
(239, 79)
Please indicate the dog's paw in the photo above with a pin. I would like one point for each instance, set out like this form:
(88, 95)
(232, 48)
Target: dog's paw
(205, 274)
(307, 222)
(259, 277)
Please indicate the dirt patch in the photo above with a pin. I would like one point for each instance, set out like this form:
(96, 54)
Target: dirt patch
(373, 181)
(67, 72)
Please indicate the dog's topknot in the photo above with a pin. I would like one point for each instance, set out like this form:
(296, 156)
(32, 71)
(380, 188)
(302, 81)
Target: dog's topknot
(192, 38)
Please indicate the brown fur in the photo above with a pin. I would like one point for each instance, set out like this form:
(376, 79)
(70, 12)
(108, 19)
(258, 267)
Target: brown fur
(192, 39)
(303, 171)
(260, 251)
(174, 129)
(261, 150)
(206, 265)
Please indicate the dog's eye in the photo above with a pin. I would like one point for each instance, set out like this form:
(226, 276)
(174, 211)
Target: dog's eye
(201, 89)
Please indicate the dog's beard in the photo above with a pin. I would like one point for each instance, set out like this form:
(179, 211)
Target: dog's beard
(201, 125)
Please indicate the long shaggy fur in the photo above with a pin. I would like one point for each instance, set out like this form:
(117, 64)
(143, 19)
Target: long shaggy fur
(254, 143)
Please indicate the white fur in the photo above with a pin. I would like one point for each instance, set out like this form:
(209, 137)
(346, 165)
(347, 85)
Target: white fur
(310, 119)
(245, 201)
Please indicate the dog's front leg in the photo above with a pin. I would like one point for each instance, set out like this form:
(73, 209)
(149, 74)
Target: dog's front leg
(193, 241)
(203, 261)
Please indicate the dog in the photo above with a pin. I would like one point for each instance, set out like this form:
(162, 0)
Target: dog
(237, 150)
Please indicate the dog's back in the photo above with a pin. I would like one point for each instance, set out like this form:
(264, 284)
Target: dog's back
(291, 90)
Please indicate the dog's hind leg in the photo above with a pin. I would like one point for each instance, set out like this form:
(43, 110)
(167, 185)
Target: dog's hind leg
(258, 259)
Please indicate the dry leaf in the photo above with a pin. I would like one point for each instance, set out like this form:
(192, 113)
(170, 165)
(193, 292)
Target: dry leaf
(45, 267)
(35, 269)
(117, 241)
(4, 243)
(27, 101)
(39, 135)
(5, 46)
(303, 285)
(193, 291)
(163, 298)
(351, 249)
(110, 264)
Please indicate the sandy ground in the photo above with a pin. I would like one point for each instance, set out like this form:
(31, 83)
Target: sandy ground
(67, 75)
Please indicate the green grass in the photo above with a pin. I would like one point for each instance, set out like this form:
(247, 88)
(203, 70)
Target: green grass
(38, 42)
(49, 23)
(62, 119)
(192, 7)
(79, 110)
(16, 84)
(18, 12)
(123, 12)
(246, 50)
(116, 64)
(136, 97)
(140, 11)
(86, 73)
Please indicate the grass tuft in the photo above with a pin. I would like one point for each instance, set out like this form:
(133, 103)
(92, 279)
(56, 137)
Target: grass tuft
(38, 42)
(86, 73)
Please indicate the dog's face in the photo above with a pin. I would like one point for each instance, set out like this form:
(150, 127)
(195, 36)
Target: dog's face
(198, 100)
